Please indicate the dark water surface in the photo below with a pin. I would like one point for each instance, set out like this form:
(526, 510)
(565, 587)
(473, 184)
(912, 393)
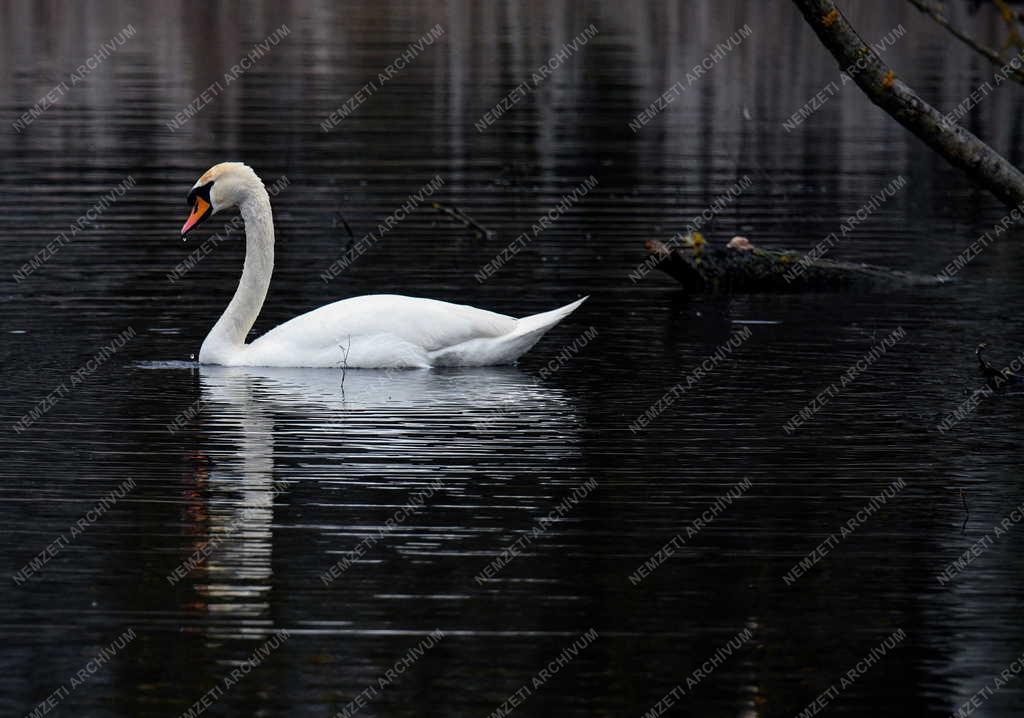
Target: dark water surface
(276, 475)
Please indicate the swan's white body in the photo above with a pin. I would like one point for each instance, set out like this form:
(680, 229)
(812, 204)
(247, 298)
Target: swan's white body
(370, 332)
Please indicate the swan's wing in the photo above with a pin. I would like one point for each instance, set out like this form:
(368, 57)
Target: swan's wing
(376, 331)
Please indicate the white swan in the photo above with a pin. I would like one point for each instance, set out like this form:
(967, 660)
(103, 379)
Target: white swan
(371, 332)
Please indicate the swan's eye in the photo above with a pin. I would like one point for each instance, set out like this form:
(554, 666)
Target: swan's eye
(202, 207)
(203, 191)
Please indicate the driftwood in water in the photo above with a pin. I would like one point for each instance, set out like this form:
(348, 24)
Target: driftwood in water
(700, 267)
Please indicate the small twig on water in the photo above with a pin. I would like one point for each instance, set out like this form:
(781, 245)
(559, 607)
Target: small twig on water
(344, 222)
(344, 365)
(460, 216)
(967, 511)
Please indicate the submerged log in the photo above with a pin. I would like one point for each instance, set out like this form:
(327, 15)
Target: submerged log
(742, 267)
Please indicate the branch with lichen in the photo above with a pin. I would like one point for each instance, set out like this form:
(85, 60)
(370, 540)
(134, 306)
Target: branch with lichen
(991, 55)
(958, 146)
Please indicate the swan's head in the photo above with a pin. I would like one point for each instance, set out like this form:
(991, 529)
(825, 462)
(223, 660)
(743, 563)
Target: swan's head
(221, 187)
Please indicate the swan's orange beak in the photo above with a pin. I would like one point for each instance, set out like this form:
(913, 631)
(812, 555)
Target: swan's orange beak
(200, 211)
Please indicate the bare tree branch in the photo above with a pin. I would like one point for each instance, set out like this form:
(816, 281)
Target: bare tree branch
(994, 57)
(1010, 17)
(958, 146)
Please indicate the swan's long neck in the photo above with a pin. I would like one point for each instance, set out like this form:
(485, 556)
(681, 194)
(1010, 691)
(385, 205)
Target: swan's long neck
(228, 335)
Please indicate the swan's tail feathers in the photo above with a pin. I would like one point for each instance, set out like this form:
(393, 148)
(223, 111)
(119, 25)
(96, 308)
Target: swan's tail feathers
(508, 347)
(538, 324)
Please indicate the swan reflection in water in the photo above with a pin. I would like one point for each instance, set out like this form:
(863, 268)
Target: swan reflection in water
(345, 444)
